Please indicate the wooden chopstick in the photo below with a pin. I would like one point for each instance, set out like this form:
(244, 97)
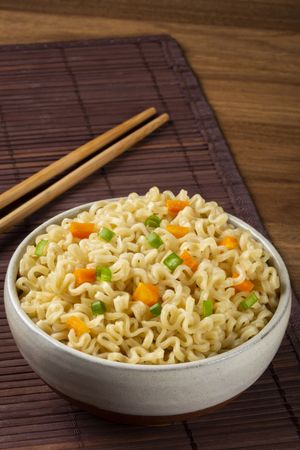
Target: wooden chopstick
(80, 173)
(72, 158)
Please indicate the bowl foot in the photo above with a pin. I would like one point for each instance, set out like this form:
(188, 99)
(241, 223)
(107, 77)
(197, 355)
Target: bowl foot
(129, 419)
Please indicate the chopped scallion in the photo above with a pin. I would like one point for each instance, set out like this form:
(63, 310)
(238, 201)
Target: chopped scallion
(156, 309)
(39, 249)
(172, 261)
(98, 307)
(106, 234)
(207, 308)
(152, 221)
(249, 301)
(103, 273)
(154, 240)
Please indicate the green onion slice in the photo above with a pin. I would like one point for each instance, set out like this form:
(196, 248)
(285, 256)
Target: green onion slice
(98, 307)
(154, 240)
(156, 309)
(249, 301)
(39, 249)
(106, 234)
(103, 273)
(172, 261)
(207, 308)
(152, 221)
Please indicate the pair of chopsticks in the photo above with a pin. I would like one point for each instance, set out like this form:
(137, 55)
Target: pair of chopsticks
(81, 172)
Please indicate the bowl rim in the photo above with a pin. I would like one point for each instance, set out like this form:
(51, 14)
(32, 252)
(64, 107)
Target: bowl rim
(10, 292)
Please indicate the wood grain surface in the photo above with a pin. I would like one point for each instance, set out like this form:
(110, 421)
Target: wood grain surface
(246, 56)
(50, 104)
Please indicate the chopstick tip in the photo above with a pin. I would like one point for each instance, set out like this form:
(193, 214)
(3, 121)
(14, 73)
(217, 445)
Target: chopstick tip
(152, 110)
(165, 117)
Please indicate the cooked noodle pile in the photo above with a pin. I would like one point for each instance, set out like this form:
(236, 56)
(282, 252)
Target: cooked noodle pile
(127, 329)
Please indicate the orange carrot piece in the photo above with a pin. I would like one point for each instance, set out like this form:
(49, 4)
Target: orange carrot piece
(146, 293)
(174, 206)
(230, 242)
(189, 261)
(82, 230)
(85, 275)
(244, 286)
(177, 231)
(78, 325)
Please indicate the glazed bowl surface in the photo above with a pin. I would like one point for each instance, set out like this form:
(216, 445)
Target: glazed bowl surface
(145, 391)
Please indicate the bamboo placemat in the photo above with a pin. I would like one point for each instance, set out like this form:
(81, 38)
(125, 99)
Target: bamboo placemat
(53, 97)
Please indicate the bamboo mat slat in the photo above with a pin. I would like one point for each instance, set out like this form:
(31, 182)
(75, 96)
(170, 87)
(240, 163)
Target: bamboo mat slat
(53, 97)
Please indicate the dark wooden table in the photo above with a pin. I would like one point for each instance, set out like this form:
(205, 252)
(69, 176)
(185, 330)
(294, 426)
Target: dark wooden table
(246, 55)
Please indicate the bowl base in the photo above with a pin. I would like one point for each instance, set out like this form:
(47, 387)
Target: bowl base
(129, 419)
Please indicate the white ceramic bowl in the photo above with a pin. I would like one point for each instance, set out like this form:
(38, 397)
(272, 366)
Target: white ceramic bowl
(145, 393)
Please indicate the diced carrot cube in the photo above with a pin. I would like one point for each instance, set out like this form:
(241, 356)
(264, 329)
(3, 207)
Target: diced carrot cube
(189, 260)
(174, 206)
(245, 286)
(85, 275)
(230, 242)
(78, 325)
(146, 293)
(177, 231)
(82, 230)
